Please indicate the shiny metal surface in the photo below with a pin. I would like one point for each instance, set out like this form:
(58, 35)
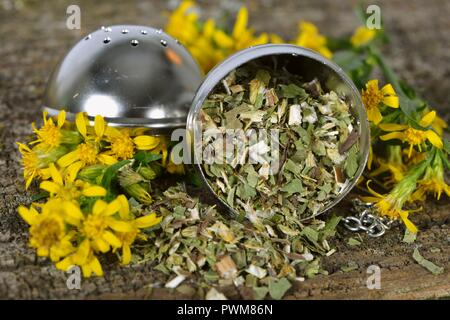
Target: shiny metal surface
(131, 75)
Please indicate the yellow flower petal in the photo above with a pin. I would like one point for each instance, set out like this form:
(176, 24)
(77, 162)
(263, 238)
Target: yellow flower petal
(388, 90)
(434, 139)
(99, 206)
(376, 194)
(106, 159)
(72, 211)
(374, 115)
(241, 22)
(82, 252)
(80, 122)
(391, 101)
(120, 226)
(96, 267)
(409, 225)
(61, 118)
(49, 186)
(222, 39)
(64, 264)
(29, 215)
(94, 191)
(124, 210)
(99, 126)
(428, 119)
(68, 159)
(72, 171)
(101, 244)
(392, 126)
(147, 221)
(126, 254)
(56, 175)
(146, 142)
(111, 208)
(393, 135)
(109, 237)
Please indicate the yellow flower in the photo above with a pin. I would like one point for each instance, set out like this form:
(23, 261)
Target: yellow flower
(390, 205)
(310, 37)
(70, 190)
(362, 36)
(208, 44)
(412, 136)
(47, 229)
(99, 226)
(373, 98)
(97, 229)
(35, 161)
(122, 145)
(50, 134)
(88, 152)
(439, 125)
(85, 258)
(127, 238)
(432, 182)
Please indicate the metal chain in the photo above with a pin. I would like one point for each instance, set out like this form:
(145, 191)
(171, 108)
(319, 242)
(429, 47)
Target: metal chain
(367, 220)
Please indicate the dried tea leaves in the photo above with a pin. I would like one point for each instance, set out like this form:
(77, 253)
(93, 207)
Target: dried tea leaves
(278, 147)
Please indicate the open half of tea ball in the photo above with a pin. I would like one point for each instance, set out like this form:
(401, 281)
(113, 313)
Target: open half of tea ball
(131, 75)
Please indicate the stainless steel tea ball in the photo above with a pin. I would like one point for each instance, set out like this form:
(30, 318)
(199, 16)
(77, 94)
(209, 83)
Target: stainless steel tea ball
(131, 75)
(297, 60)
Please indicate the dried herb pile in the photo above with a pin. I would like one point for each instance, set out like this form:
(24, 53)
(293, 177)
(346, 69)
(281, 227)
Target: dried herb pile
(195, 244)
(317, 151)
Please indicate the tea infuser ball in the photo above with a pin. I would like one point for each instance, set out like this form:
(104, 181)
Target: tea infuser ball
(131, 75)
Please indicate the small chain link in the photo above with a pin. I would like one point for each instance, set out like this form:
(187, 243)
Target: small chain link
(367, 220)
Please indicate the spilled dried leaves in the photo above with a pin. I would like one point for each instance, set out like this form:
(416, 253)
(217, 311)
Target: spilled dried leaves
(196, 245)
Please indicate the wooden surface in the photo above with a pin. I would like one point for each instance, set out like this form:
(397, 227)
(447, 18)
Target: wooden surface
(33, 37)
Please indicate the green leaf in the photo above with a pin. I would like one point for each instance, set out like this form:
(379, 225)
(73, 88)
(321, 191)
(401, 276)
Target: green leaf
(430, 266)
(145, 157)
(260, 292)
(353, 242)
(294, 186)
(277, 288)
(39, 196)
(292, 91)
(111, 173)
(348, 60)
(409, 236)
(352, 163)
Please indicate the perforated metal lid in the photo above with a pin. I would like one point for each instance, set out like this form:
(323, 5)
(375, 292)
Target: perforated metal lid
(131, 75)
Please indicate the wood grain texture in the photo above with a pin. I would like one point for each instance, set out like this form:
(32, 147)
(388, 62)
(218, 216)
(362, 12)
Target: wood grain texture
(34, 37)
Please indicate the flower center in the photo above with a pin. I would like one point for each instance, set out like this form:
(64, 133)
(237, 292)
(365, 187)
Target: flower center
(50, 134)
(122, 147)
(372, 97)
(46, 233)
(414, 137)
(69, 192)
(88, 153)
(94, 226)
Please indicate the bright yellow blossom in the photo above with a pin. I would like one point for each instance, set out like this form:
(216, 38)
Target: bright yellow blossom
(122, 145)
(69, 189)
(390, 205)
(373, 98)
(47, 229)
(309, 37)
(433, 181)
(50, 134)
(412, 136)
(88, 152)
(35, 161)
(127, 238)
(84, 257)
(362, 36)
